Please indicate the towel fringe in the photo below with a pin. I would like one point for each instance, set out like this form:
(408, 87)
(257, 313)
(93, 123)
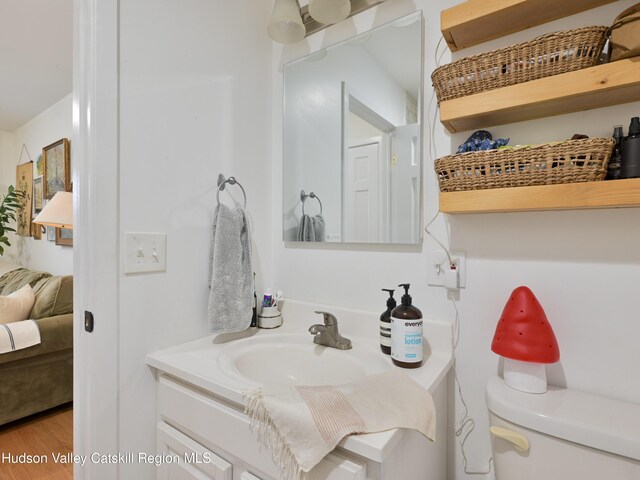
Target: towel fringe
(270, 437)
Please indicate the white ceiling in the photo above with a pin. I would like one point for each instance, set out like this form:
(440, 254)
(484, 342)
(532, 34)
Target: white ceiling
(36, 51)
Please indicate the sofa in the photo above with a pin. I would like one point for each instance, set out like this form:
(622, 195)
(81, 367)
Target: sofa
(40, 377)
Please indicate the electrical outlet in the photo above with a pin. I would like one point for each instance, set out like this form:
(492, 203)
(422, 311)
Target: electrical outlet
(438, 264)
(145, 252)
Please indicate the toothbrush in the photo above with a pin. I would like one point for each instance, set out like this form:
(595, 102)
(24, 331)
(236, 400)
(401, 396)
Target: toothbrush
(277, 298)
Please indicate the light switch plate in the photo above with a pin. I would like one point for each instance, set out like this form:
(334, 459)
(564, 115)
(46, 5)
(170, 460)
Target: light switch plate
(145, 252)
(438, 263)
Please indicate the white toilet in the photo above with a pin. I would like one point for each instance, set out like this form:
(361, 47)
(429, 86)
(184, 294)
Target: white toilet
(562, 435)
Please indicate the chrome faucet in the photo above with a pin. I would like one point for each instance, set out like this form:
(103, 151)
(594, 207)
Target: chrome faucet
(328, 334)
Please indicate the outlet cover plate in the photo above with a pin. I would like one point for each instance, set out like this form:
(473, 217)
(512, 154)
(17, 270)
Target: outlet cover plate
(145, 252)
(437, 263)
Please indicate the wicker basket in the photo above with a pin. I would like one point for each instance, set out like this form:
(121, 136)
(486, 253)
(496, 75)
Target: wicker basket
(551, 54)
(571, 161)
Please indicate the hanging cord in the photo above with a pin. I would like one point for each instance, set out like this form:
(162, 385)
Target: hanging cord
(465, 421)
(432, 122)
(24, 149)
(465, 424)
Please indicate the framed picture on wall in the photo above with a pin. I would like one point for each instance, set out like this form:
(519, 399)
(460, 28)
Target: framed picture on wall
(51, 234)
(38, 195)
(64, 236)
(57, 174)
(24, 183)
(39, 167)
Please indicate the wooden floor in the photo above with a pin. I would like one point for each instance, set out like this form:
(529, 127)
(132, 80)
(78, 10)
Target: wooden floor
(42, 434)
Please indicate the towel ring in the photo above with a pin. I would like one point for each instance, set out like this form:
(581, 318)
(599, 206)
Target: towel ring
(231, 181)
(304, 196)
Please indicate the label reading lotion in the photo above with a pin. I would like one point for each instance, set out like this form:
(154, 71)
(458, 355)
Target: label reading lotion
(406, 340)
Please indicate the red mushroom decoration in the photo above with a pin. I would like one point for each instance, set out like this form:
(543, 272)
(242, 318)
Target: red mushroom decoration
(526, 340)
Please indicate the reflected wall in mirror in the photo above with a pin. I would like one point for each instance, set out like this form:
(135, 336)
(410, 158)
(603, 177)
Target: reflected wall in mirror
(352, 137)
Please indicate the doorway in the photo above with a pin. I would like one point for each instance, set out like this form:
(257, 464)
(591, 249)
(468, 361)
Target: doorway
(36, 142)
(366, 168)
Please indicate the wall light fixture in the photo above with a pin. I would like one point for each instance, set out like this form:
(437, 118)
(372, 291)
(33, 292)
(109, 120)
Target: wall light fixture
(290, 23)
(286, 24)
(329, 11)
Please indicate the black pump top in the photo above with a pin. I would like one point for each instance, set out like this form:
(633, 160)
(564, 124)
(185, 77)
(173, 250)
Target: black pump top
(634, 128)
(617, 133)
(406, 298)
(391, 302)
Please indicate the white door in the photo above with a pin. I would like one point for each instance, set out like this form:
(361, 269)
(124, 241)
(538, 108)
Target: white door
(362, 190)
(405, 184)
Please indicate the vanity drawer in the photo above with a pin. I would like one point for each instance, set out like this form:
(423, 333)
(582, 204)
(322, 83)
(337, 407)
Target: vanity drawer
(248, 476)
(333, 467)
(214, 422)
(195, 461)
(228, 429)
(338, 467)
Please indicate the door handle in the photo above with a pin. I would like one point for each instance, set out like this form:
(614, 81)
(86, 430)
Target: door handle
(519, 441)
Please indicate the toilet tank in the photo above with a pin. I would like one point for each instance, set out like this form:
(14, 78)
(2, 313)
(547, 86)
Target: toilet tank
(570, 435)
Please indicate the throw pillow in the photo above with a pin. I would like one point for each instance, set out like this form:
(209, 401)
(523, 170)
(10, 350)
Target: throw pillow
(54, 296)
(17, 306)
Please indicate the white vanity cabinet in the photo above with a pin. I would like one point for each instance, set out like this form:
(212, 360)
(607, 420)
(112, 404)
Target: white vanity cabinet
(200, 407)
(196, 462)
(213, 435)
(217, 433)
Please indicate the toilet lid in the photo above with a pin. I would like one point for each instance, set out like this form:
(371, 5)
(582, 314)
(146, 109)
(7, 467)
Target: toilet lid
(597, 422)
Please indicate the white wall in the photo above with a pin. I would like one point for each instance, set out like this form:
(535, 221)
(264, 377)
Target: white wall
(195, 99)
(7, 169)
(584, 266)
(47, 127)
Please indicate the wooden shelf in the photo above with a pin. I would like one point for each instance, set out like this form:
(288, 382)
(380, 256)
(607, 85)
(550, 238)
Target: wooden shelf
(572, 196)
(595, 87)
(477, 21)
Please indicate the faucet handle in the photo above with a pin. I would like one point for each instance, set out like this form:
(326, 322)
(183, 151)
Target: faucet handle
(329, 318)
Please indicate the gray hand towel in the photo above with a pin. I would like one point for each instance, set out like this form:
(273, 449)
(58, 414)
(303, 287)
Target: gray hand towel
(318, 228)
(230, 272)
(311, 229)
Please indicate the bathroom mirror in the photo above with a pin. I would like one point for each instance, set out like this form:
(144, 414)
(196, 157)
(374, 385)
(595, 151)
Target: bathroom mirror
(352, 139)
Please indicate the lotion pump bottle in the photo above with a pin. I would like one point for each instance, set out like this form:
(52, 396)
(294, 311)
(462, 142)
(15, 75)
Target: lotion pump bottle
(385, 323)
(406, 333)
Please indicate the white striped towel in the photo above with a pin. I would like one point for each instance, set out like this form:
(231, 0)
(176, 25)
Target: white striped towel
(19, 335)
(302, 424)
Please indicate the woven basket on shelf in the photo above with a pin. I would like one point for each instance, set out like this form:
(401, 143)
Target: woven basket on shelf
(571, 161)
(550, 54)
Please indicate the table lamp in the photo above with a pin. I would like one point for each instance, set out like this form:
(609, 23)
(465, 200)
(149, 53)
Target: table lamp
(525, 339)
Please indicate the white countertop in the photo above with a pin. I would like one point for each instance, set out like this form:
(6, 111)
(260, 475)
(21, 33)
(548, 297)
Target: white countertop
(197, 362)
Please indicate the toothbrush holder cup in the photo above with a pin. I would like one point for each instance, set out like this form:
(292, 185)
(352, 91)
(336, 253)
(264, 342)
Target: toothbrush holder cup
(269, 317)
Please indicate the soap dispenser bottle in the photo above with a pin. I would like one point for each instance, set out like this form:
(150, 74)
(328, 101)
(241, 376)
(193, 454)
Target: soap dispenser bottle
(385, 323)
(406, 333)
(614, 165)
(630, 167)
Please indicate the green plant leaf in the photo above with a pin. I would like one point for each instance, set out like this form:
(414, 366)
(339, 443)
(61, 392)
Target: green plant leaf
(8, 206)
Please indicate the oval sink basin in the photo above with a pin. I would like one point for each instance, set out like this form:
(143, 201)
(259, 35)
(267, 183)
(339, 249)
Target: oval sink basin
(293, 359)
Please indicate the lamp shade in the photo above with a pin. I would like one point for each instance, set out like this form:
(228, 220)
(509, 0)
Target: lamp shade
(329, 11)
(523, 331)
(526, 340)
(58, 212)
(286, 24)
